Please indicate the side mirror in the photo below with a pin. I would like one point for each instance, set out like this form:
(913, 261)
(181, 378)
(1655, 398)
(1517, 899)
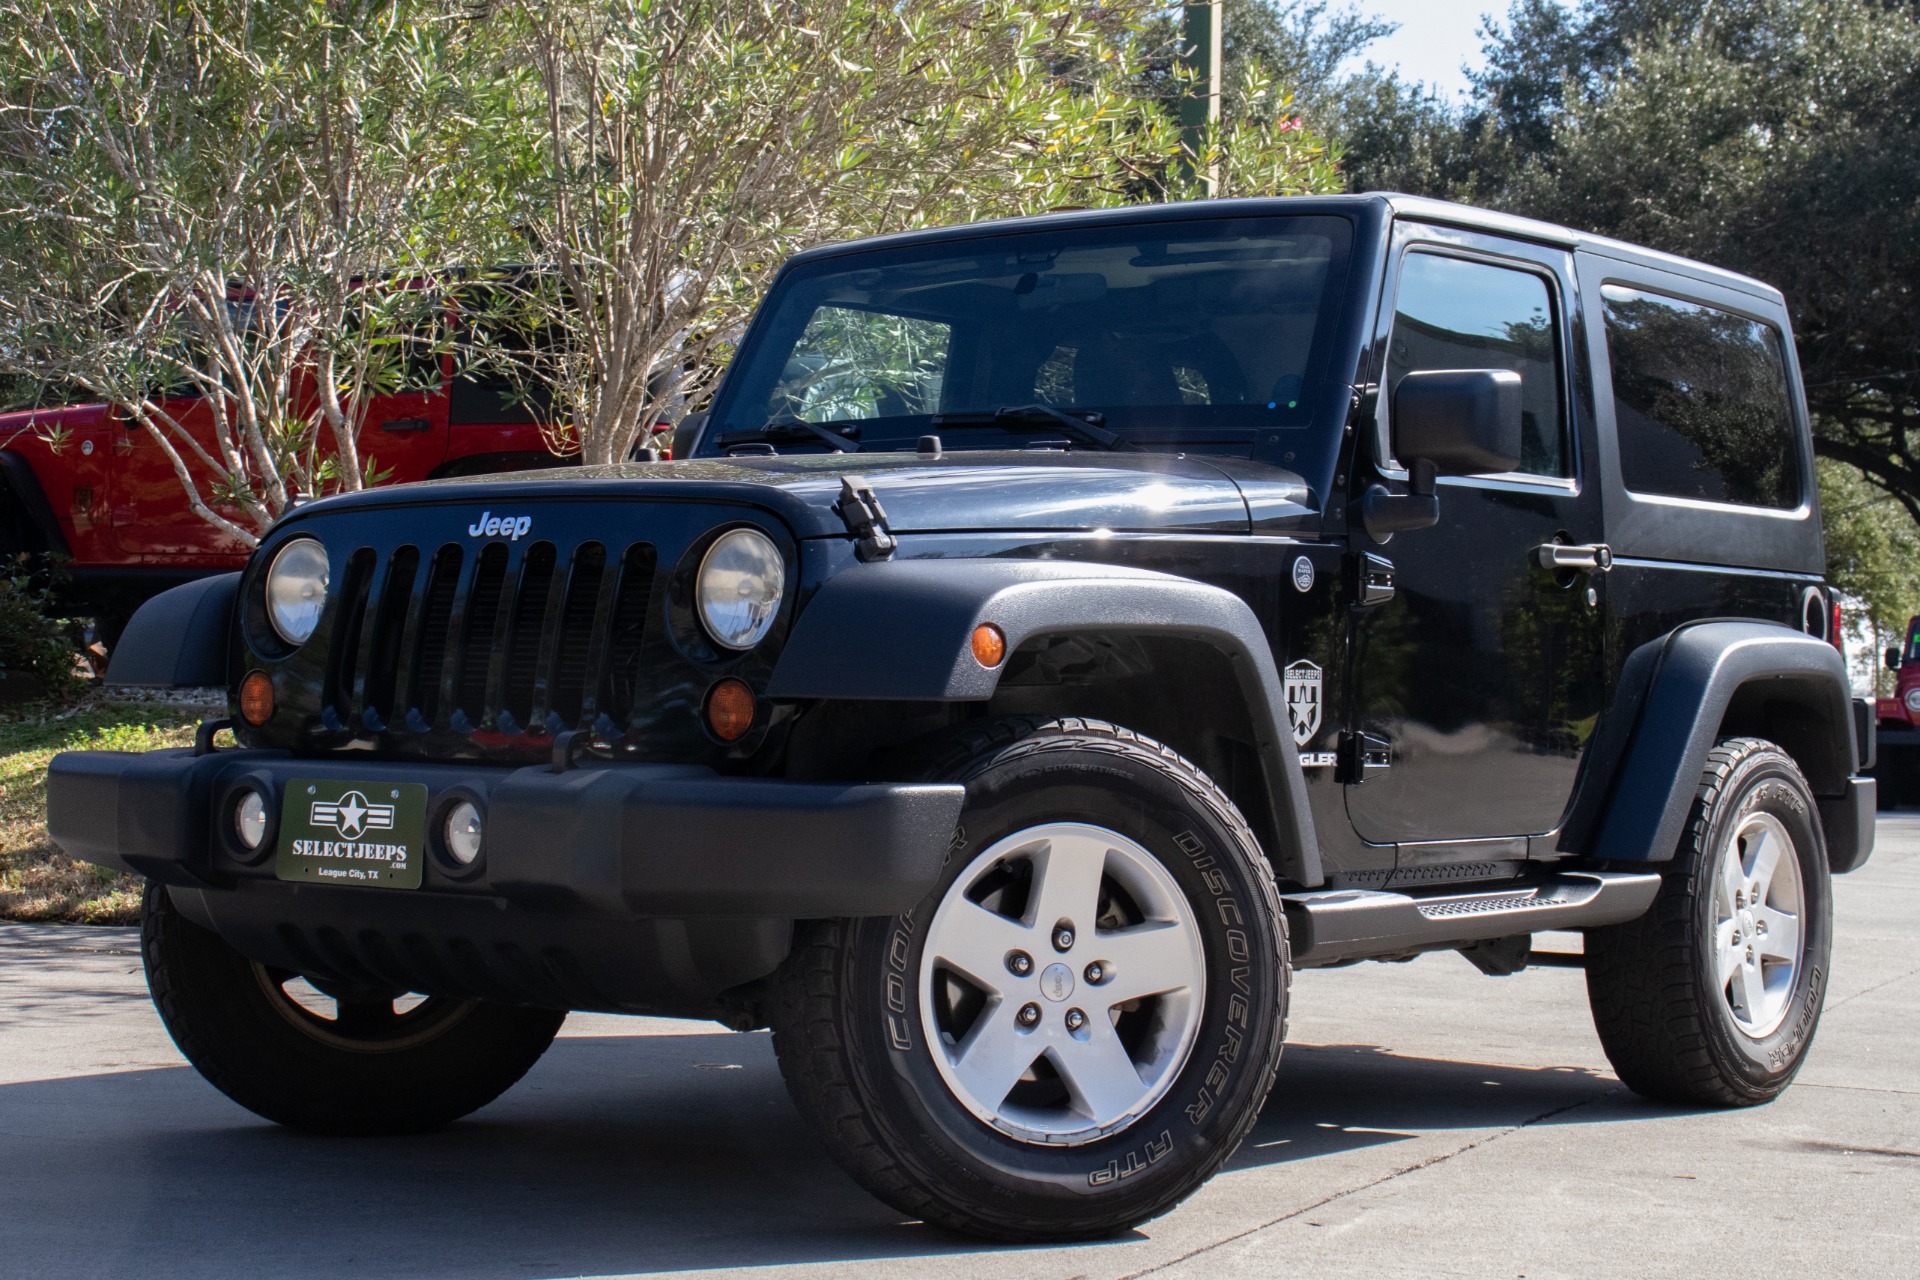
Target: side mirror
(1893, 659)
(1446, 422)
(686, 436)
(1458, 422)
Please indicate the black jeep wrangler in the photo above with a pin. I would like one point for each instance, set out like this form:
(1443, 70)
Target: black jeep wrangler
(1059, 632)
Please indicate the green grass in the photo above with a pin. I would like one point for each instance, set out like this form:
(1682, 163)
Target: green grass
(37, 881)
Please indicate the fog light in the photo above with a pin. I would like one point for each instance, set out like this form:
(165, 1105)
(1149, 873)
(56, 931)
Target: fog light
(730, 710)
(989, 645)
(464, 829)
(250, 819)
(256, 698)
(1913, 700)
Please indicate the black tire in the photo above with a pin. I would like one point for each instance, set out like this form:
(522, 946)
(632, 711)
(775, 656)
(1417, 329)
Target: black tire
(1895, 774)
(403, 1072)
(848, 1022)
(1670, 1029)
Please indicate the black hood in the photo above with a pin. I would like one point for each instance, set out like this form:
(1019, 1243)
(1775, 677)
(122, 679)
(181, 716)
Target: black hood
(1021, 490)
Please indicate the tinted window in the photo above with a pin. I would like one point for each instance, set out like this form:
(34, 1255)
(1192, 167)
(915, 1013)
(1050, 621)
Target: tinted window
(1456, 314)
(1700, 402)
(504, 374)
(853, 363)
(1175, 334)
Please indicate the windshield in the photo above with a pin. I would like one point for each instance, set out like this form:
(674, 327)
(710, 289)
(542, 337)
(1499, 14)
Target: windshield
(1174, 335)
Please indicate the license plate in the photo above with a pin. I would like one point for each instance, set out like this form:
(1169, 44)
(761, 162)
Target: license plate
(353, 833)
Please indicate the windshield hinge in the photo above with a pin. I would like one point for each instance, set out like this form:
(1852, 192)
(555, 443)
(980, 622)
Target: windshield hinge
(865, 519)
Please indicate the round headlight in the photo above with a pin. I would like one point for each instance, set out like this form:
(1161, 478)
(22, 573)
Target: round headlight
(297, 589)
(739, 588)
(1913, 701)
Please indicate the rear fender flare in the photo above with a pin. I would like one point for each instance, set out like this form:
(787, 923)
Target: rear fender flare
(914, 620)
(1673, 703)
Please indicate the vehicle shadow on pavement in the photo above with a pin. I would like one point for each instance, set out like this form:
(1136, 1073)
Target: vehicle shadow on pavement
(1338, 1097)
(616, 1154)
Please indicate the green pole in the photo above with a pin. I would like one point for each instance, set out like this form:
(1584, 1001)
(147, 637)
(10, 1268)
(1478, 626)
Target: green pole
(1200, 56)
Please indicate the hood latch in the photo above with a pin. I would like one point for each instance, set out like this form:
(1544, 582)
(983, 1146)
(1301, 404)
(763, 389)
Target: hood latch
(865, 519)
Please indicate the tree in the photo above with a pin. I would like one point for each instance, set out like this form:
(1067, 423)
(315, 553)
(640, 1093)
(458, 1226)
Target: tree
(1302, 44)
(1780, 138)
(683, 150)
(217, 217)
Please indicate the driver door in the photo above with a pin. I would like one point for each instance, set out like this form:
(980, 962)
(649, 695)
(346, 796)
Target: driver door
(1479, 683)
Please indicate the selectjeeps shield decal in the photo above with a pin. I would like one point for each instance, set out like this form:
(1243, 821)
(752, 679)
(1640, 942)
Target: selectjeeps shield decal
(1302, 680)
(353, 833)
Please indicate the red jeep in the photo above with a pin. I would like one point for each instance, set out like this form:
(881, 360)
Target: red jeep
(1899, 716)
(107, 504)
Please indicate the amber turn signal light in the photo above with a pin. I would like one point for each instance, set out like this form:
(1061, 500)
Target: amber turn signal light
(989, 645)
(730, 710)
(256, 698)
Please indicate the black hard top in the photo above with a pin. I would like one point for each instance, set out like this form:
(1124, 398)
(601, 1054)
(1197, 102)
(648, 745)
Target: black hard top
(1372, 206)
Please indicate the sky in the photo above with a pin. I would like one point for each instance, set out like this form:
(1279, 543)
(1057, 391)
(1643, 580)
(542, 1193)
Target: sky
(1435, 38)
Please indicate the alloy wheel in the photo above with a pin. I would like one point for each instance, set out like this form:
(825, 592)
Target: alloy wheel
(360, 1018)
(1758, 901)
(1062, 983)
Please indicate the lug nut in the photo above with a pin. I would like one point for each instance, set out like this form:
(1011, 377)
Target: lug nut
(1063, 937)
(1028, 1016)
(1019, 963)
(1096, 973)
(1075, 1019)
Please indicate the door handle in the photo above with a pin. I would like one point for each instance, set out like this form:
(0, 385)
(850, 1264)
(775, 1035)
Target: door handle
(406, 424)
(1595, 557)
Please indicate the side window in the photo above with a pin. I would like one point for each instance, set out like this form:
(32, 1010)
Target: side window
(1701, 403)
(1453, 313)
(503, 364)
(852, 363)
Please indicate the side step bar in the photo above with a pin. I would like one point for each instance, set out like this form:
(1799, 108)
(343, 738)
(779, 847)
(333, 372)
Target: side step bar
(1332, 925)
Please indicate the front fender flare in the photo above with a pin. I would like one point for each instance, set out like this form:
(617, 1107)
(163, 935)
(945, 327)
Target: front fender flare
(915, 620)
(180, 637)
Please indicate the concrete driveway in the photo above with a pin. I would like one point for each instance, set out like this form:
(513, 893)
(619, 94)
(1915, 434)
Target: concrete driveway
(1427, 1121)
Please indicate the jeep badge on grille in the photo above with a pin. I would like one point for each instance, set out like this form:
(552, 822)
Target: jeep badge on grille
(489, 525)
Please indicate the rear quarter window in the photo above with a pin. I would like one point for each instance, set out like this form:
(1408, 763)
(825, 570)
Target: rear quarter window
(1701, 402)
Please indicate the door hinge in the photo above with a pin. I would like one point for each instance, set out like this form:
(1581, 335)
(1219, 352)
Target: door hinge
(1372, 580)
(866, 520)
(1362, 755)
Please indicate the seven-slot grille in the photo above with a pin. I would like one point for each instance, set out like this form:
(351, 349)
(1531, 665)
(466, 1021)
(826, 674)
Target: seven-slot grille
(515, 639)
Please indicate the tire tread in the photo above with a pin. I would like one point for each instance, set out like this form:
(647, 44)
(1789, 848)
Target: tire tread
(817, 1062)
(1646, 1004)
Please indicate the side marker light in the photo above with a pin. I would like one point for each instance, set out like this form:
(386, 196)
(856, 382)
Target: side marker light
(989, 645)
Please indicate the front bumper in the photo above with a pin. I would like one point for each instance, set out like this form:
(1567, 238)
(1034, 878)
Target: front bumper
(618, 886)
(1903, 736)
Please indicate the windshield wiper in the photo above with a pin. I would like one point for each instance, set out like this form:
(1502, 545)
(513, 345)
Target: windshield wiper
(1087, 429)
(838, 435)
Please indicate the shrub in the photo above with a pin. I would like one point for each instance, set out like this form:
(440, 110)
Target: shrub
(33, 644)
